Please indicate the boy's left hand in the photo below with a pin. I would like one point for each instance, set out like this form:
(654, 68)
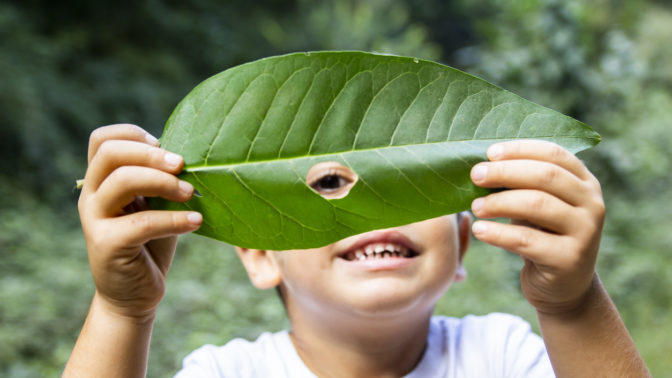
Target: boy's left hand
(557, 213)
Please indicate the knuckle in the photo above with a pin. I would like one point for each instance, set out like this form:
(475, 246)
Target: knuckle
(537, 202)
(99, 135)
(96, 135)
(595, 183)
(495, 171)
(128, 127)
(486, 207)
(144, 223)
(125, 129)
(152, 155)
(587, 228)
(548, 175)
(520, 146)
(595, 200)
(177, 221)
(107, 148)
(556, 152)
(120, 176)
(600, 207)
(523, 240)
(495, 234)
(87, 209)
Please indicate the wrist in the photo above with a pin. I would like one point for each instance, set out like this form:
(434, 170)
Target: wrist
(122, 314)
(578, 307)
(111, 344)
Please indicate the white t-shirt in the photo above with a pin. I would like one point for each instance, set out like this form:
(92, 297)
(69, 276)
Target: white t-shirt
(495, 345)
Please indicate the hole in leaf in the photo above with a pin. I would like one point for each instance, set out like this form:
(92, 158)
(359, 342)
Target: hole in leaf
(331, 179)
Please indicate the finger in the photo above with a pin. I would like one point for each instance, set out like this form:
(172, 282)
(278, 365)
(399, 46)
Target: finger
(157, 248)
(120, 132)
(136, 229)
(531, 174)
(125, 183)
(539, 246)
(115, 153)
(539, 150)
(538, 208)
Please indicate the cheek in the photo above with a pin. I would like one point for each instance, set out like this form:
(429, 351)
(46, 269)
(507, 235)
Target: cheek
(438, 234)
(302, 270)
(441, 242)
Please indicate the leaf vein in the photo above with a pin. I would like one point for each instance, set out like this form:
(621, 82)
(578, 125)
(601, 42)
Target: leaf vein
(223, 202)
(436, 111)
(368, 107)
(269, 203)
(440, 176)
(410, 106)
(450, 128)
(408, 180)
(382, 198)
(298, 110)
(226, 117)
(275, 97)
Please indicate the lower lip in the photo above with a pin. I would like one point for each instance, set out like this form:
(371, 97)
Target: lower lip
(380, 264)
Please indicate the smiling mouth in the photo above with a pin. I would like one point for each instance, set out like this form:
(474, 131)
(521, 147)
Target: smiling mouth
(379, 251)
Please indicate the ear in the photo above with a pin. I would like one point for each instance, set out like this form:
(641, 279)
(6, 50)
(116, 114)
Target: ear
(261, 266)
(464, 235)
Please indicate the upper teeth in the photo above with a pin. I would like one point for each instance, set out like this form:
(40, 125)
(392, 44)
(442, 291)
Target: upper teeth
(379, 250)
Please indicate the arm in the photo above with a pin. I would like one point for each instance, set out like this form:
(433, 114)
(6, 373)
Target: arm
(592, 341)
(129, 246)
(110, 345)
(557, 213)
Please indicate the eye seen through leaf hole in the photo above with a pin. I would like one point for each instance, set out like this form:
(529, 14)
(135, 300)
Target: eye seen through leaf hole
(329, 183)
(331, 179)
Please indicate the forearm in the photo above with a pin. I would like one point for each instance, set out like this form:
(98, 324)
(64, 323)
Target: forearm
(110, 345)
(593, 341)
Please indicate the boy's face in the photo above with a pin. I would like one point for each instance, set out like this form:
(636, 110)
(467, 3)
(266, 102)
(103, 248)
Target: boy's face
(384, 272)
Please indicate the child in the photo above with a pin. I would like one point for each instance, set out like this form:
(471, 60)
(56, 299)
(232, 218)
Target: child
(362, 307)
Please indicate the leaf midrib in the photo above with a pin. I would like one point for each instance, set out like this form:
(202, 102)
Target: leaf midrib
(205, 168)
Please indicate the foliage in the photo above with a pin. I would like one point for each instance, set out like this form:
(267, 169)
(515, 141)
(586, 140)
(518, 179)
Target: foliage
(251, 134)
(602, 64)
(69, 66)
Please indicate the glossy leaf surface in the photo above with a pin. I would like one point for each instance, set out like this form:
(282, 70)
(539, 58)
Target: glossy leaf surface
(410, 129)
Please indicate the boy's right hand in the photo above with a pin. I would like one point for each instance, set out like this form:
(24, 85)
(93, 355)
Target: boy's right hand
(130, 246)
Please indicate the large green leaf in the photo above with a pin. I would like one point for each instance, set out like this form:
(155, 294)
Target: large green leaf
(410, 129)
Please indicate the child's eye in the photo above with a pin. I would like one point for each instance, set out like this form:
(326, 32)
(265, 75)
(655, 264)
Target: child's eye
(331, 179)
(329, 183)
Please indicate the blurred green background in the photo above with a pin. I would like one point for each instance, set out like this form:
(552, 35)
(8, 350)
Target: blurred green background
(67, 67)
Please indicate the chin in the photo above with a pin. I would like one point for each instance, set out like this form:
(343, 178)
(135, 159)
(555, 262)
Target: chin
(390, 301)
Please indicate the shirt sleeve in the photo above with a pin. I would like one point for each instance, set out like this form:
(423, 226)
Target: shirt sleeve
(270, 355)
(509, 347)
(228, 361)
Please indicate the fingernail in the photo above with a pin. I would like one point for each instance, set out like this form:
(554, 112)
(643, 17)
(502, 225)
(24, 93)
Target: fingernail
(495, 151)
(186, 187)
(173, 159)
(479, 228)
(477, 205)
(478, 172)
(195, 218)
(151, 140)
